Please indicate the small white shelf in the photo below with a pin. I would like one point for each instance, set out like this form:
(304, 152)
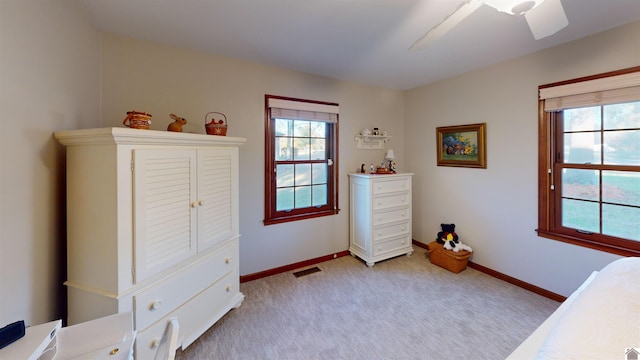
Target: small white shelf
(371, 142)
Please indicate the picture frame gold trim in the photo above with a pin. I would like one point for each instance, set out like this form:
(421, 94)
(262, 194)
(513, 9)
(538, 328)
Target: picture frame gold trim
(462, 145)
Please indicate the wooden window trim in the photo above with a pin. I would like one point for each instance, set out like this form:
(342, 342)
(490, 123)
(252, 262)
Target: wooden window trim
(271, 215)
(547, 217)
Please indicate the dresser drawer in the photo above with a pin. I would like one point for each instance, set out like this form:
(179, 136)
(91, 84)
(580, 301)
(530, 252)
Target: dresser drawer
(389, 201)
(194, 317)
(386, 231)
(387, 186)
(402, 242)
(158, 301)
(382, 217)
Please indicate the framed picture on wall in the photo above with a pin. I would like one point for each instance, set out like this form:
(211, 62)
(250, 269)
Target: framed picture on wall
(462, 145)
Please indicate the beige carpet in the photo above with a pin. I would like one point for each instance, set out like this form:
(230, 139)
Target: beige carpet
(402, 308)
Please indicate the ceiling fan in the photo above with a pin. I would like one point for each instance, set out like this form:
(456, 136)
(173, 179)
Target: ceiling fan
(545, 18)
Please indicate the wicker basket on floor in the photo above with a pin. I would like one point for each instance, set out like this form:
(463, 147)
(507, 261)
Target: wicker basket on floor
(448, 259)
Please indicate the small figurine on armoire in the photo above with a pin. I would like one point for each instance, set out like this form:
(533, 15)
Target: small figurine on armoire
(177, 124)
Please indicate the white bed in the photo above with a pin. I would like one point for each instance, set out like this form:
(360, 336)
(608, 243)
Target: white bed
(600, 320)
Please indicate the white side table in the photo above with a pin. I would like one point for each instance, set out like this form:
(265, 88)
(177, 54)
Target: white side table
(110, 337)
(39, 341)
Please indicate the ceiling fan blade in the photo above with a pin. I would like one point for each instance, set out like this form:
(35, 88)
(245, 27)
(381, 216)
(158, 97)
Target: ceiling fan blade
(546, 19)
(465, 9)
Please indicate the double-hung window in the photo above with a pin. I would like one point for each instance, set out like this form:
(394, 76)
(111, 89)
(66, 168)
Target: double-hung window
(589, 162)
(301, 158)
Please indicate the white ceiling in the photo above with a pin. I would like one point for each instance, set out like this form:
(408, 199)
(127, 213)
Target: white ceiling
(365, 41)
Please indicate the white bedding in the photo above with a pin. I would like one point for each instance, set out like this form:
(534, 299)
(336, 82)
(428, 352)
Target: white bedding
(599, 321)
(529, 348)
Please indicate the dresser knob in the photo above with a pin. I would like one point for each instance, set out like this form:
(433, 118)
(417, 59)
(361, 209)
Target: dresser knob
(227, 260)
(200, 202)
(155, 343)
(228, 288)
(193, 204)
(114, 351)
(155, 305)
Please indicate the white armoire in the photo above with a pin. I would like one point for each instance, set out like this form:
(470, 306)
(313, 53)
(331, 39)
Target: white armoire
(152, 228)
(380, 216)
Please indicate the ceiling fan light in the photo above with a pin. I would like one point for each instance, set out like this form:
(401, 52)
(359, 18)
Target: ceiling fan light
(513, 7)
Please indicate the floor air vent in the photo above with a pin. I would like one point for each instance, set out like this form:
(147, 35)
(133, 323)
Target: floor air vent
(312, 270)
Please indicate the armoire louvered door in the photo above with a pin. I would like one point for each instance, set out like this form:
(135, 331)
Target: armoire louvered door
(165, 209)
(217, 172)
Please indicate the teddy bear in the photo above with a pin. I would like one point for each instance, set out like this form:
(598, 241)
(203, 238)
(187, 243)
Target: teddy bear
(449, 239)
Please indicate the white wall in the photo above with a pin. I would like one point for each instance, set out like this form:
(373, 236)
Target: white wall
(49, 80)
(495, 210)
(162, 80)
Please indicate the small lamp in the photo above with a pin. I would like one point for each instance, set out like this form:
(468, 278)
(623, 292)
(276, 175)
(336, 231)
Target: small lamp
(390, 156)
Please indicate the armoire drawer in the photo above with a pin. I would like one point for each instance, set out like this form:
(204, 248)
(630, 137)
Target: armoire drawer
(390, 245)
(193, 317)
(158, 301)
(387, 231)
(388, 201)
(382, 217)
(387, 186)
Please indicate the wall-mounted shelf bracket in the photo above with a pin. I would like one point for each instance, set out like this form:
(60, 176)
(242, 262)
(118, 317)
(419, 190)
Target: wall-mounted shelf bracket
(371, 142)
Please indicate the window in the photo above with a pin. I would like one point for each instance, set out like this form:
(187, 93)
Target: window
(301, 171)
(589, 162)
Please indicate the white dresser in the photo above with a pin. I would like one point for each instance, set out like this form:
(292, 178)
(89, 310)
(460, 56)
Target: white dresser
(152, 228)
(380, 216)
